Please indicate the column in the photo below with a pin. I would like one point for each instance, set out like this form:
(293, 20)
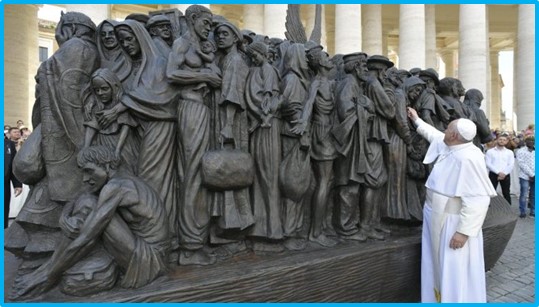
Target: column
(96, 12)
(473, 49)
(274, 20)
(525, 65)
(412, 36)
(430, 37)
(180, 7)
(20, 62)
(347, 28)
(384, 43)
(253, 17)
(311, 18)
(495, 92)
(371, 18)
(448, 57)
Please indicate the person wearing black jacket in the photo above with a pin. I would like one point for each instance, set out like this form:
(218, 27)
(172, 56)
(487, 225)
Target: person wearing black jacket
(9, 155)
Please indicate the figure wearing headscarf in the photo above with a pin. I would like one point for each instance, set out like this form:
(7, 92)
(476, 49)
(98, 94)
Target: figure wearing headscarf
(152, 102)
(472, 99)
(416, 171)
(294, 89)
(111, 54)
(394, 205)
(438, 116)
(107, 91)
(262, 97)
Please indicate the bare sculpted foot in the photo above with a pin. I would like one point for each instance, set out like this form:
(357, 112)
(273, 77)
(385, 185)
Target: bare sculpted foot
(29, 285)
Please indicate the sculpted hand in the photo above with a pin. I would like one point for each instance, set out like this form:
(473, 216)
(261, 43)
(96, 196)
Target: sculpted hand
(412, 114)
(226, 134)
(299, 127)
(214, 80)
(18, 191)
(106, 117)
(458, 240)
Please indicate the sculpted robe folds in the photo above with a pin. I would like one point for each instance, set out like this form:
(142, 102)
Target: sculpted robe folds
(60, 93)
(458, 197)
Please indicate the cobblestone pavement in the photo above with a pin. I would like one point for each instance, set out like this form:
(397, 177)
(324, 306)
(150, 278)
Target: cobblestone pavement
(512, 279)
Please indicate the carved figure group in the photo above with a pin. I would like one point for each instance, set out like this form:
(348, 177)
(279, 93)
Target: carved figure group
(157, 151)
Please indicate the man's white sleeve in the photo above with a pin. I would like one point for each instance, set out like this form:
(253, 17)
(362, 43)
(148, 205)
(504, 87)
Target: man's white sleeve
(472, 214)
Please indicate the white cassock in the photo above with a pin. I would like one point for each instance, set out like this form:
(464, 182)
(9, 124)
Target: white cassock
(458, 196)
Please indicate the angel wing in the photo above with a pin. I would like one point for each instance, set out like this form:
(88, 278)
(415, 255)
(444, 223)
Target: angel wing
(294, 28)
(316, 34)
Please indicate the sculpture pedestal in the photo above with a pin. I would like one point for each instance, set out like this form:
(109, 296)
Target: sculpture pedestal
(375, 271)
(382, 271)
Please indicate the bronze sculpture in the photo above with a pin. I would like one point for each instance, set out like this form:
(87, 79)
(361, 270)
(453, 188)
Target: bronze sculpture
(322, 136)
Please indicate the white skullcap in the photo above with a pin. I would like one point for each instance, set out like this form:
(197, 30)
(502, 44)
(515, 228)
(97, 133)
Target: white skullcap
(466, 129)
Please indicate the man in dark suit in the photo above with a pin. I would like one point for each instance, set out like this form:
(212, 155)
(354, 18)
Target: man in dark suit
(9, 154)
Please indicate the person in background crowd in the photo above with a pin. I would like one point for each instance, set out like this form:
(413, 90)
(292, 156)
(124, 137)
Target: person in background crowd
(14, 134)
(526, 164)
(9, 178)
(500, 162)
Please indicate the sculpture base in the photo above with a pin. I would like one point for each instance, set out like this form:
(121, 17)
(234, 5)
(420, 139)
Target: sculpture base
(375, 271)
(381, 271)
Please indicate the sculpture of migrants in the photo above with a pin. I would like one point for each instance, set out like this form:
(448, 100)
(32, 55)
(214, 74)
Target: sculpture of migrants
(178, 158)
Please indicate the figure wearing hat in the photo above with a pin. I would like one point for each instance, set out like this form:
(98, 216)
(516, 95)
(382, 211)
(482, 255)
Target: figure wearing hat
(377, 135)
(160, 30)
(350, 132)
(458, 197)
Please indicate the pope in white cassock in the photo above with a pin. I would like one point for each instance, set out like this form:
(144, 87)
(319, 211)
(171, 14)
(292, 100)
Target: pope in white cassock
(458, 197)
